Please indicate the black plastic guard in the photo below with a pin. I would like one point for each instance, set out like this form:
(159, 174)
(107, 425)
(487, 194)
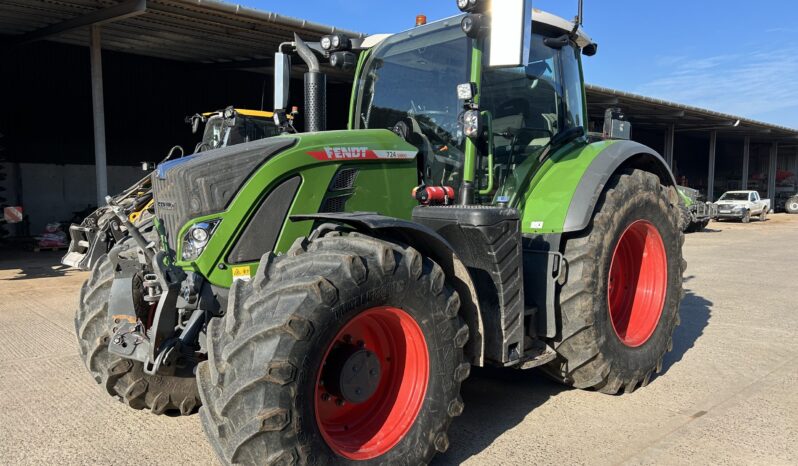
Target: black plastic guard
(488, 241)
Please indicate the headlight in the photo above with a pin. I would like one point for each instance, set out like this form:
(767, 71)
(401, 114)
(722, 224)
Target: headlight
(472, 124)
(326, 42)
(196, 238)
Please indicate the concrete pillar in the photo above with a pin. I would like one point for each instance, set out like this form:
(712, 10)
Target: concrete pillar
(98, 110)
(713, 142)
(746, 161)
(670, 139)
(774, 153)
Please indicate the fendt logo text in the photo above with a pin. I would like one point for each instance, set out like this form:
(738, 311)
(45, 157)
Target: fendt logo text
(355, 153)
(346, 152)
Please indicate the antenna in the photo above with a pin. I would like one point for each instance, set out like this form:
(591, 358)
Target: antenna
(578, 19)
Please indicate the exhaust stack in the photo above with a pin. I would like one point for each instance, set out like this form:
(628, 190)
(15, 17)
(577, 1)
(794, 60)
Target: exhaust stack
(315, 89)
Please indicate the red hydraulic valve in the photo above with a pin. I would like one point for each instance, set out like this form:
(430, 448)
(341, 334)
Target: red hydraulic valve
(427, 195)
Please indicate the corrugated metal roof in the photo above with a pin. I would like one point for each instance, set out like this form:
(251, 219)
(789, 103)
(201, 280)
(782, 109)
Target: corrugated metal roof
(214, 32)
(204, 31)
(649, 111)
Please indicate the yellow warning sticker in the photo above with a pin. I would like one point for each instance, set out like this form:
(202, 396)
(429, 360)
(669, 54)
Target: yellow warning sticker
(243, 272)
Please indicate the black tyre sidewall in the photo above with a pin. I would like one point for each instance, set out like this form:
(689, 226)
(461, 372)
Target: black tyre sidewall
(629, 361)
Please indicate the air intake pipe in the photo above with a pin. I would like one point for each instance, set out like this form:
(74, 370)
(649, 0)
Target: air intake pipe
(315, 89)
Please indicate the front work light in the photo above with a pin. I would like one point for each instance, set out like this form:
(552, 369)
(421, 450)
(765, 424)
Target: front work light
(343, 60)
(466, 91)
(475, 25)
(335, 42)
(472, 124)
(472, 6)
(196, 238)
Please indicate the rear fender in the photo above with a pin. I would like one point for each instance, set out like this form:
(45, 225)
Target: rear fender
(619, 156)
(562, 199)
(432, 245)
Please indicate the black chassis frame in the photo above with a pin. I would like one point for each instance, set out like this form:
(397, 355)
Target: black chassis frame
(183, 305)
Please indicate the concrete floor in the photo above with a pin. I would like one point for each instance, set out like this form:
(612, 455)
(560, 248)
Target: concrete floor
(728, 393)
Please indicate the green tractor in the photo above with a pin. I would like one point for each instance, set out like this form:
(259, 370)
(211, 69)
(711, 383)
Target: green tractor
(696, 213)
(98, 232)
(321, 296)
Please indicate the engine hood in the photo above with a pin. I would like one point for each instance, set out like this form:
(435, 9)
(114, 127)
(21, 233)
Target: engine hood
(205, 183)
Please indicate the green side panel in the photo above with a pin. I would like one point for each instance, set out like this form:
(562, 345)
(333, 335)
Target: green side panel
(545, 203)
(685, 198)
(382, 185)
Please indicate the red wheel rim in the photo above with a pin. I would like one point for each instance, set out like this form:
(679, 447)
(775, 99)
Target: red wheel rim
(361, 431)
(637, 283)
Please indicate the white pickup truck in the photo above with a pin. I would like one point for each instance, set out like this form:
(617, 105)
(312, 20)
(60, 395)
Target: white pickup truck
(742, 205)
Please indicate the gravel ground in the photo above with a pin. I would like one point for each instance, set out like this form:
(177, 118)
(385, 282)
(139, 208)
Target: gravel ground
(727, 393)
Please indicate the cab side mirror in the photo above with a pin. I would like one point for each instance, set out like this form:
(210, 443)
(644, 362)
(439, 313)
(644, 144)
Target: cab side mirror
(195, 121)
(616, 126)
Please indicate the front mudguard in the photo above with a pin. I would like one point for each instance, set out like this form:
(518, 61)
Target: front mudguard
(432, 245)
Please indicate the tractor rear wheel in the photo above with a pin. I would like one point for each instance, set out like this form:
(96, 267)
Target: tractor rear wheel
(123, 378)
(347, 348)
(620, 303)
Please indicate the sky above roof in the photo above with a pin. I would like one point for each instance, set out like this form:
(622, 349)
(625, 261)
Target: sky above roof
(725, 55)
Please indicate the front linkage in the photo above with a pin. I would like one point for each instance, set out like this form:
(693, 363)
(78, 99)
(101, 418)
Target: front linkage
(139, 322)
(158, 310)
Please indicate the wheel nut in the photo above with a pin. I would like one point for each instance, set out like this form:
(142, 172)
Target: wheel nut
(325, 397)
(340, 402)
(361, 343)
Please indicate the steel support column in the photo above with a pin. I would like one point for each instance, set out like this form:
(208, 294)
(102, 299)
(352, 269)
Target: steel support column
(774, 153)
(746, 161)
(670, 139)
(713, 142)
(98, 110)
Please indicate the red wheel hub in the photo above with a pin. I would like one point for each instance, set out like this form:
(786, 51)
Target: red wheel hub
(638, 283)
(372, 383)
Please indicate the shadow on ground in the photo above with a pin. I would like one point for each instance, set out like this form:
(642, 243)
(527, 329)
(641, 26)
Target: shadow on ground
(695, 312)
(27, 265)
(497, 400)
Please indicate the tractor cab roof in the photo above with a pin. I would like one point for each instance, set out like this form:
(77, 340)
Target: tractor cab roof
(542, 22)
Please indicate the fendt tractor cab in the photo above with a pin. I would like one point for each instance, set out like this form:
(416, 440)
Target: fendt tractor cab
(100, 231)
(321, 296)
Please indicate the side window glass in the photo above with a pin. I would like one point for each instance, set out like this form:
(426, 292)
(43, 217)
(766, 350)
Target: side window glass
(572, 87)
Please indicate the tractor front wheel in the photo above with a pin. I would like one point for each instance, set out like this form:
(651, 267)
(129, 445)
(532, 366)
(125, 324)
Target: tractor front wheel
(348, 348)
(123, 378)
(620, 303)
